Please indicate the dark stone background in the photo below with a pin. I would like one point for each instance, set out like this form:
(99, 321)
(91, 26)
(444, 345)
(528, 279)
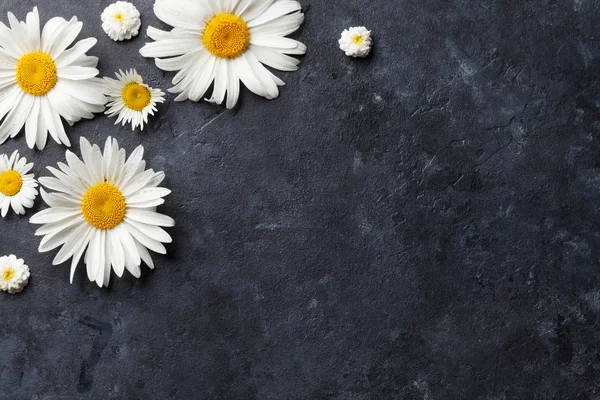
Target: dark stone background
(423, 224)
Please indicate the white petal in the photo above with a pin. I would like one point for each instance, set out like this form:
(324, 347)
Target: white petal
(66, 223)
(277, 9)
(174, 14)
(92, 156)
(31, 124)
(244, 71)
(92, 256)
(132, 256)
(262, 74)
(233, 87)
(203, 81)
(101, 262)
(51, 215)
(5, 206)
(82, 90)
(72, 244)
(17, 206)
(60, 200)
(53, 240)
(221, 75)
(282, 26)
(71, 55)
(76, 73)
(49, 118)
(150, 217)
(171, 47)
(147, 194)
(33, 29)
(9, 42)
(65, 38)
(53, 28)
(255, 8)
(274, 58)
(152, 231)
(137, 183)
(145, 255)
(80, 248)
(117, 254)
(146, 241)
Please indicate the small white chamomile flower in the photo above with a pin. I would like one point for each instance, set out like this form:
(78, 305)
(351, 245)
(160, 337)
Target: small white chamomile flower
(14, 274)
(17, 187)
(121, 20)
(356, 42)
(131, 99)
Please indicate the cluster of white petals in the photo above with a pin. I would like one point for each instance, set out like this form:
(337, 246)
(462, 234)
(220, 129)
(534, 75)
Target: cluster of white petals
(14, 274)
(121, 21)
(356, 41)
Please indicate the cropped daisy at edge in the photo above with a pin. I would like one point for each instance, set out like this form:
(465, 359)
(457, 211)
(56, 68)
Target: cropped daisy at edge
(41, 80)
(225, 41)
(17, 186)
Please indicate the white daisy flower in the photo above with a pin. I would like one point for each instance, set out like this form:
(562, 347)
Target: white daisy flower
(14, 274)
(131, 99)
(356, 42)
(121, 20)
(106, 205)
(236, 36)
(17, 187)
(41, 81)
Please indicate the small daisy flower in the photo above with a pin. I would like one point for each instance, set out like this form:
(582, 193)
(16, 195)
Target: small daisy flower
(17, 188)
(131, 99)
(356, 42)
(103, 210)
(14, 274)
(121, 20)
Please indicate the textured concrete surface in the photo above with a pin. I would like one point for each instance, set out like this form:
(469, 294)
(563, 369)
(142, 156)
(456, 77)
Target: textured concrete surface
(423, 224)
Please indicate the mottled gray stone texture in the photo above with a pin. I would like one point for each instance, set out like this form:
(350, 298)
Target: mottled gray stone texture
(422, 224)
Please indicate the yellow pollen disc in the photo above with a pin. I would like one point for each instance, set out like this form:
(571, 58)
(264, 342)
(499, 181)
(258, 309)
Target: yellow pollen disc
(119, 17)
(103, 206)
(226, 36)
(136, 96)
(357, 39)
(36, 73)
(9, 274)
(11, 182)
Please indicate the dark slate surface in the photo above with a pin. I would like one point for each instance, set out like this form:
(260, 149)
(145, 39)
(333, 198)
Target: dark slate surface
(422, 224)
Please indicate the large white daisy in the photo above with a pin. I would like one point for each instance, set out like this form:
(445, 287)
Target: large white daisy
(41, 80)
(17, 186)
(225, 41)
(106, 205)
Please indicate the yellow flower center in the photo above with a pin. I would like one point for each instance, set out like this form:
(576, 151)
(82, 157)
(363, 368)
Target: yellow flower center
(9, 274)
(36, 73)
(226, 36)
(119, 17)
(136, 96)
(103, 206)
(11, 182)
(357, 39)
